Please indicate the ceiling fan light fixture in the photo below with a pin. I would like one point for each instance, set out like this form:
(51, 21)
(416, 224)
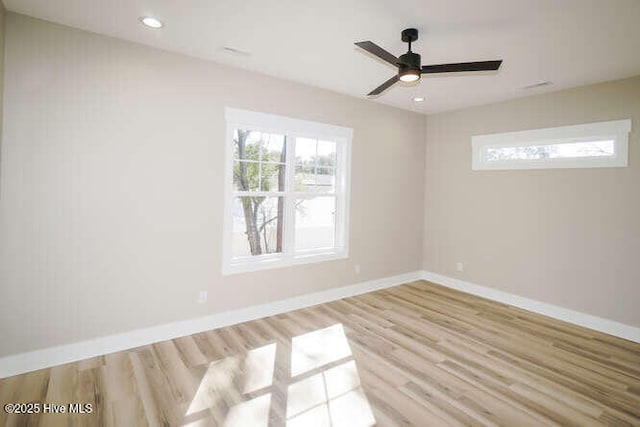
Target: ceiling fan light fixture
(410, 67)
(410, 75)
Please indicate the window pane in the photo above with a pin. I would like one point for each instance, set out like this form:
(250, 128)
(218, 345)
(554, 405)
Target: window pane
(261, 164)
(320, 180)
(306, 151)
(257, 225)
(273, 177)
(325, 180)
(326, 171)
(246, 145)
(304, 177)
(274, 148)
(315, 223)
(326, 153)
(246, 176)
(258, 146)
(571, 150)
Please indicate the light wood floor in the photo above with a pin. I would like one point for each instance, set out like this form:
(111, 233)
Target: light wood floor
(417, 354)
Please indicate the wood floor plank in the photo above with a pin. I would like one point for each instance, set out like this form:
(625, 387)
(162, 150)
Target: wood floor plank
(417, 354)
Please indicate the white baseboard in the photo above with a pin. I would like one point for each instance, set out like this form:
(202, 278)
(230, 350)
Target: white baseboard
(45, 358)
(607, 326)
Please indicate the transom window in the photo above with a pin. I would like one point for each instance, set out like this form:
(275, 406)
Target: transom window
(287, 191)
(603, 144)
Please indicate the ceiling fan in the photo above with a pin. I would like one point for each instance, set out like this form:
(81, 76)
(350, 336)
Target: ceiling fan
(409, 67)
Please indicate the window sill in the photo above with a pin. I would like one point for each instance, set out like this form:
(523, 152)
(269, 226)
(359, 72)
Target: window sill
(249, 265)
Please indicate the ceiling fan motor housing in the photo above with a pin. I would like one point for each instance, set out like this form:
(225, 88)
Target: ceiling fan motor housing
(409, 60)
(409, 63)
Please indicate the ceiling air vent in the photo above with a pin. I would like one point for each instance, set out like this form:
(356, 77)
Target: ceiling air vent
(537, 84)
(234, 51)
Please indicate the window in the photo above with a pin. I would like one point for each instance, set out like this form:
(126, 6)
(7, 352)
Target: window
(593, 145)
(287, 186)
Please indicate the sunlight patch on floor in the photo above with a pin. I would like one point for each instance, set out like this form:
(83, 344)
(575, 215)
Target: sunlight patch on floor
(331, 398)
(258, 368)
(317, 348)
(305, 394)
(351, 410)
(215, 382)
(341, 379)
(203, 422)
(323, 388)
(314, 417)
(254, 413)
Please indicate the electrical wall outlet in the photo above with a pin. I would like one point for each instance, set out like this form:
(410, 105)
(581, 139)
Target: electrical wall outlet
(459, 266)
(202, 297)
(357, 268)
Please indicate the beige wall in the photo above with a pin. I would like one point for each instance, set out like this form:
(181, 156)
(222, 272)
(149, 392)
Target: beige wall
(111, 214)
(2, 18)
(111, 189)
(566, 237)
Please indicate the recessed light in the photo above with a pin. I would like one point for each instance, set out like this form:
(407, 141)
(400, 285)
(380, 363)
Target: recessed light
(418, 99)
(151, 22)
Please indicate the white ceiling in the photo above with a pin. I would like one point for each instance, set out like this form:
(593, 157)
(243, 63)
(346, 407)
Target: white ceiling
(568, 42)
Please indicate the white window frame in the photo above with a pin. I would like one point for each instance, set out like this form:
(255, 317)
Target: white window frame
(617, 130)
(292, 129)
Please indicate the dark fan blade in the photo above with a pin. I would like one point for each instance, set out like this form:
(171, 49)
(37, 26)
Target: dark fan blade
(462, 66)
(384, 86)
(376, 50)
